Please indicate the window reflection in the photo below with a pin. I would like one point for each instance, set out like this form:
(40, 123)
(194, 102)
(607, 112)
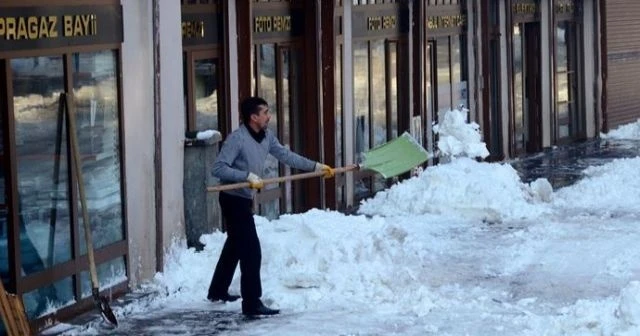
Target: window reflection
(110, 274)
(41, 155)
(519, 104)
(443, 73)
(379, 96)
(206, 94)
(361, 109)
(565, 79)
(96, 105)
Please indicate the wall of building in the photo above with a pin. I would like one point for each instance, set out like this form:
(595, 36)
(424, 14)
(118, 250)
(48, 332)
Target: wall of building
(173, 122)
(137, 101)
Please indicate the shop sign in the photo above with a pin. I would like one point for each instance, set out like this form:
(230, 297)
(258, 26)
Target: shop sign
(277, 23)
(446, 21)
(201, 28)
(382, 22)
(23, 28)
(268, 24)
(525, 8)
(369, 22)
(565, 7)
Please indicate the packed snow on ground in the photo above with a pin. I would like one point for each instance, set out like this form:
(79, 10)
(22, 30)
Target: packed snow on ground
(628, 131)
(464, 248)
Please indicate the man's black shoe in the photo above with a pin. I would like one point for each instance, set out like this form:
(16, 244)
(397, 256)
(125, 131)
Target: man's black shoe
(257, 308)
(226, 297)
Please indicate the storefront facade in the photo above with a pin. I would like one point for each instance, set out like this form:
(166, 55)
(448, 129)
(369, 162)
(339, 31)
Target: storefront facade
(379, 54)
(98, 54)
(277, 61)
(46, 53)
(538, 81)
(341, 77)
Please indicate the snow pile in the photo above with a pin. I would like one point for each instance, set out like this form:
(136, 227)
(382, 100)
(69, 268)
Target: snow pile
(611, 190)
(629, 306)
(628, 131)
(459, 138)
(463, 187)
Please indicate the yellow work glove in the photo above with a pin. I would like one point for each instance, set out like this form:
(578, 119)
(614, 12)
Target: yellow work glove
(328, 171)
(255, 182)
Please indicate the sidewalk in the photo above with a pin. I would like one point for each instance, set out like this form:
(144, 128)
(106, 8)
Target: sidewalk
(561, 165)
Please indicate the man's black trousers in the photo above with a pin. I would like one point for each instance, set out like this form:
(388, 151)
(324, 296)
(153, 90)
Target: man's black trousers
(242, 245)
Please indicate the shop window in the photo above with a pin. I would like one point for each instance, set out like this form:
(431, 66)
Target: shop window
(447, 78)
(519, 94)
(375, 67)
(567, 121)
(203, 87)
(46, 189)
(40, 137)
(96, 104)
(275, 79)
(206, 94)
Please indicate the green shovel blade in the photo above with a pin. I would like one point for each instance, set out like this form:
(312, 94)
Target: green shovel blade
(395, 157)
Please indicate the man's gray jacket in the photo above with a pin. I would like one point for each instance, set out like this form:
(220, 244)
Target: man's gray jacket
(241, 154)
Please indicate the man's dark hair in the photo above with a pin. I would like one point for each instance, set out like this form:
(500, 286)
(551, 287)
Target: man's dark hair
(250, 106)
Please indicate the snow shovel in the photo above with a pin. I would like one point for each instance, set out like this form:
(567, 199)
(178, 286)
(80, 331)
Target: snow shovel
(13, 315)
(390, 159)
(101, 302)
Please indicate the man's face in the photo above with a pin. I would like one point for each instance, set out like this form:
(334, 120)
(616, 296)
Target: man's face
(262, 117)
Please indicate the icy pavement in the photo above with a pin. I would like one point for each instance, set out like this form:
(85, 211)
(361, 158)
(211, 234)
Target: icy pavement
(475, 250)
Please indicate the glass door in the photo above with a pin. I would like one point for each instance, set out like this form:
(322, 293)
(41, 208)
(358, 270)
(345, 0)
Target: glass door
(276, 80)
(526, 85)
(566, 83)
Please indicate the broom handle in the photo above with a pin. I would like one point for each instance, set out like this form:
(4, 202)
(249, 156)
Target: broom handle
(338, 170)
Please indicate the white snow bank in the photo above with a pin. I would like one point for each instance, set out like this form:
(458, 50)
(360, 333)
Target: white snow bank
(459, 138)
(613, 187)
(628, 131)
(463, 187)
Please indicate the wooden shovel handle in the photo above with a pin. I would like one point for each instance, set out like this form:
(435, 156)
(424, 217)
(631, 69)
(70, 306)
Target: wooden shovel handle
(280, 179)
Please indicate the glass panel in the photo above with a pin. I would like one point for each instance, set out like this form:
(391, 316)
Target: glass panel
(267, 90)
(43, 193)
(361, 108)
(379, 99)
(561, 47)
(393, 87)
(563, 131)
(519, 103)
(4, 246)
(96, 103)
(430, 94)
(270, 209)
(361, 96)
(459, 81)
(206, 94)
(562, 87)
(48, 299)
(443, 74)
(110, 273)
(563, 113)
(286, 127)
